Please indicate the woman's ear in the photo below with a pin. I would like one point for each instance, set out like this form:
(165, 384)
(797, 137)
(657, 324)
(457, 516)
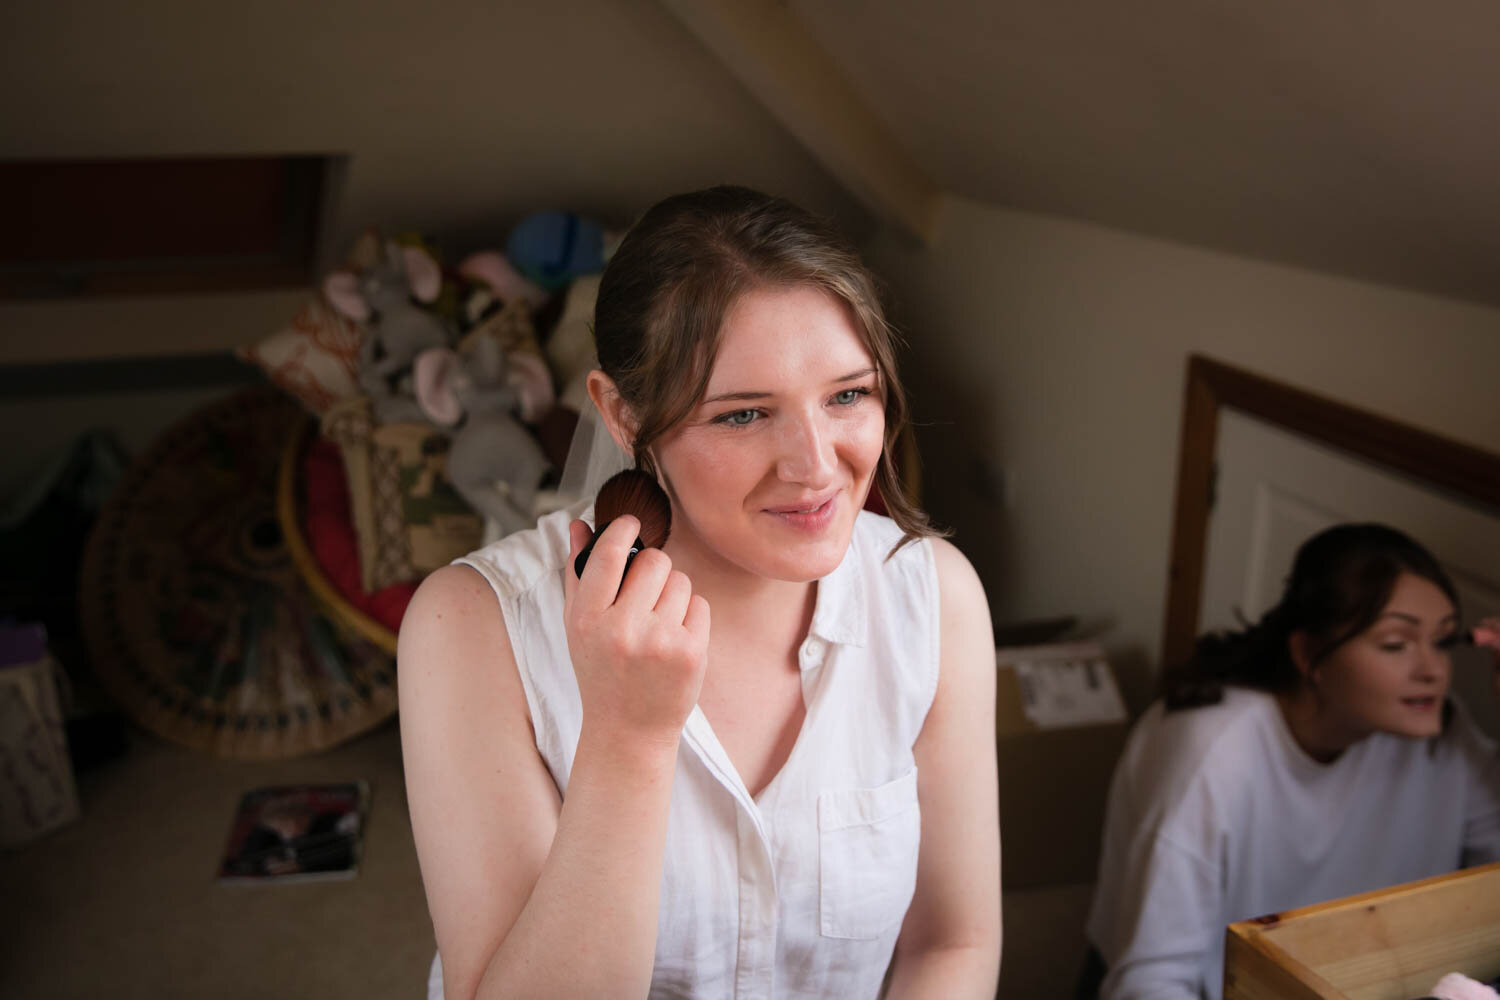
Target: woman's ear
(1299, 647)
(615, 412)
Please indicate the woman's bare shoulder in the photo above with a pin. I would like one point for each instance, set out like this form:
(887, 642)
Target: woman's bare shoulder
(959, 584)
(453, 641)
(451, 600)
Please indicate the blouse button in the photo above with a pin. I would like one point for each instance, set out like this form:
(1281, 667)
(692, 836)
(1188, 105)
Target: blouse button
(812, 649)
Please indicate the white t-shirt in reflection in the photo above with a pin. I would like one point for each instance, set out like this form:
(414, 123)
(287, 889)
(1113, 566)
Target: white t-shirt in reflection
(1216, 814)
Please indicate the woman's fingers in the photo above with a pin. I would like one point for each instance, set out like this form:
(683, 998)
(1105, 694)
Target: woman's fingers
(600, 583)
(697, 621)
(637, 635)
(644, 580)
(1487, 633)
(579, 535)
(672, 605)
(648, 577)
(638, 647)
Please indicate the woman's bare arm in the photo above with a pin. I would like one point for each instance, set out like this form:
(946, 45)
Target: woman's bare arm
(530, 896)
(950, 941)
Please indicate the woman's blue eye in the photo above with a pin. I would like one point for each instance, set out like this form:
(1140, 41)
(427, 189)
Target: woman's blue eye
(739, 418)
(850, 396)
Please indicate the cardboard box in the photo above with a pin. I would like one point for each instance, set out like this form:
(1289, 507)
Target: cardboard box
(1392, 944)
(1059, 728)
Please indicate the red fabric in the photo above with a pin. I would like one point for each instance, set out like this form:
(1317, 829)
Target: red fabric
(328, 526)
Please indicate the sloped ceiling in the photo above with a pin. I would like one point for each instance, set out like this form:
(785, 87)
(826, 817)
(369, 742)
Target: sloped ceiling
(1361, 138)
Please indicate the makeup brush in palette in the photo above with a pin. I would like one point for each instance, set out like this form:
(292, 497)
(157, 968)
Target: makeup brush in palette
(636, 493)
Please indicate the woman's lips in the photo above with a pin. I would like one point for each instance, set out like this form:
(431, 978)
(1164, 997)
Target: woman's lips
(1422, 704)
(804, 517)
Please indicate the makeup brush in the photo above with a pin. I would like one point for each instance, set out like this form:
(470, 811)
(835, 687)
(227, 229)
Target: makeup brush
(1458, 640)
(1479, 635)
(630, 492)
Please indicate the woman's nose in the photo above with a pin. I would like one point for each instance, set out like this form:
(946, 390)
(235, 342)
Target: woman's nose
(806, 453)
(1433, 663)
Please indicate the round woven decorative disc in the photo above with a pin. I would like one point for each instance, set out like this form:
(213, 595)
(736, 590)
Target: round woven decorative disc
(196, 619)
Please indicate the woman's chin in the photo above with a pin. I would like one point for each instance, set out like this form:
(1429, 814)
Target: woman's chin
(1416, 728)
(792, 569)
(806, 562)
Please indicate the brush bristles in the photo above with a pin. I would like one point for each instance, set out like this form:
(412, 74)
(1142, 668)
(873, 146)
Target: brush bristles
(634, 492)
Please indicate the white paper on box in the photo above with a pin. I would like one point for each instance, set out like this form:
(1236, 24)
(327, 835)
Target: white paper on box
(1066, 685)
(36, 777)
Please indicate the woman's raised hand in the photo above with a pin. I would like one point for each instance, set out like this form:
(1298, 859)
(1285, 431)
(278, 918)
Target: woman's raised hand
(1487, 636)
(639, 647)
(1487, 633)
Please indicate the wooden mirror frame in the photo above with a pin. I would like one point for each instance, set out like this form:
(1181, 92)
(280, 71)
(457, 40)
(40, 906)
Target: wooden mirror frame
(1470, 472)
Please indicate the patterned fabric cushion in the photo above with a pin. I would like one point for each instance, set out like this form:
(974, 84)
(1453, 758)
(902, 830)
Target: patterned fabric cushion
(407, 516)
(328, 526)
(316, 358)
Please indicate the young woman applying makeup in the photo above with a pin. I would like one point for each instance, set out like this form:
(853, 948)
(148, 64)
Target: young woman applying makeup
(1312, 756)
(762, 765)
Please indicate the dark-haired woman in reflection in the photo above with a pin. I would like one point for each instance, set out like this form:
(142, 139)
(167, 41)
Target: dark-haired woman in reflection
(1312, 756)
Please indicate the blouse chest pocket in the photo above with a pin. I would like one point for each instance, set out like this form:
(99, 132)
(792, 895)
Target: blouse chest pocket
(867, 857)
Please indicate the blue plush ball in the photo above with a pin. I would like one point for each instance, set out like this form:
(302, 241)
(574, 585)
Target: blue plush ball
(553, 248)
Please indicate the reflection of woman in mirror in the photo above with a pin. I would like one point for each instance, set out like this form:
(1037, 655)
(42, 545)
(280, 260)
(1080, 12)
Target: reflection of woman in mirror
(1312, 756)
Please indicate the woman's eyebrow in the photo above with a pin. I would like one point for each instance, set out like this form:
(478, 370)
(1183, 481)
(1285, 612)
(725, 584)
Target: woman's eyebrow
(721, 397)
(751, 394)
(1450, 616)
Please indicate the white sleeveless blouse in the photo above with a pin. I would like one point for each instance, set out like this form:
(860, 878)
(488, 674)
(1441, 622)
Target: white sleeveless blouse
(801, 891)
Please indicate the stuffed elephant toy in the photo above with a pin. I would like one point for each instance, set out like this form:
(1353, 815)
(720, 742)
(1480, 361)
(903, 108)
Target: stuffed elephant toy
(494, 462)
(385, 299)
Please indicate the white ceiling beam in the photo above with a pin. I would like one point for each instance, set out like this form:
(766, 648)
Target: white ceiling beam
(769, 51)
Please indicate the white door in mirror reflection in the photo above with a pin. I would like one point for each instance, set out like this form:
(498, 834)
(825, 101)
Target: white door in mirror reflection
(1275, 489)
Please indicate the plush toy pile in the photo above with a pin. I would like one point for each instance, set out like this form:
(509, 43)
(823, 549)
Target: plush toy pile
(450, 394)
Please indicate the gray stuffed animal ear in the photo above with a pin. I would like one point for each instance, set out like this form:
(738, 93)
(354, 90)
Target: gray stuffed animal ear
(341, 289)
(435, 375)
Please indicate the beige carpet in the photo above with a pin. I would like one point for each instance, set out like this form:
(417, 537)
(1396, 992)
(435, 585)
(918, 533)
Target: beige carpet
(124, 903)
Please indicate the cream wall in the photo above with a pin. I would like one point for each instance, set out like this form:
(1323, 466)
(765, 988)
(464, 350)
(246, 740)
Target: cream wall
(1048, 359)
(458, 118)
(1046, 353)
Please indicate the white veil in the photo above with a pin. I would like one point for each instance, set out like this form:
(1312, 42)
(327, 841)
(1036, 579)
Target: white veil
(592, 457)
